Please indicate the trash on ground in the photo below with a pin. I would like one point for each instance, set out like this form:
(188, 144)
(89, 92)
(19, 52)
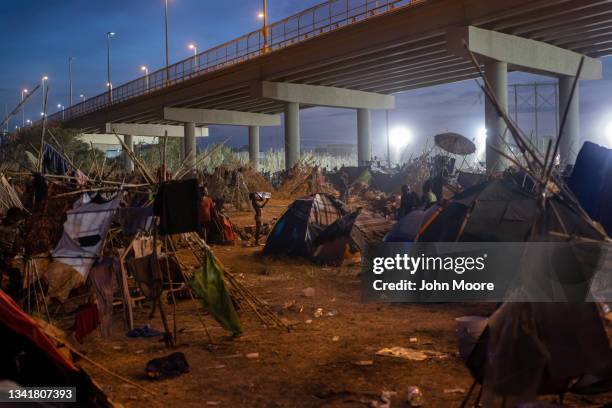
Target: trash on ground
(409, 354)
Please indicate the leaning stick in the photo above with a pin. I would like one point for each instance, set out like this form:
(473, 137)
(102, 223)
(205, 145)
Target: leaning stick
(19, 106)
(98, 365)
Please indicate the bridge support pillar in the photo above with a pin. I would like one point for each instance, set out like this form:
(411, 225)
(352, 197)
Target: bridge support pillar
(497, 75)
(570, 141)
(292, 134)
(254, 146)
(128, 164)
(364, 130)
(190, 144)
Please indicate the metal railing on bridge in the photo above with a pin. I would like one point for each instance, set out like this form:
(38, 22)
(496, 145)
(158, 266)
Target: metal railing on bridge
(317, 20)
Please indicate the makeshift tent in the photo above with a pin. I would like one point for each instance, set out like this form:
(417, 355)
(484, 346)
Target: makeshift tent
(84, 232)
(591, 182)
(360, 228)
(305, 218)
(407, 228)
(29, 358)
(495, 211)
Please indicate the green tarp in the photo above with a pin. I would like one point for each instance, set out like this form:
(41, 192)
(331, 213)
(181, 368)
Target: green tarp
(209, 287)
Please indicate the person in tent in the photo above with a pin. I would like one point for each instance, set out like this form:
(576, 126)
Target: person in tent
(429, 198)
(409, 201)
(256, 202)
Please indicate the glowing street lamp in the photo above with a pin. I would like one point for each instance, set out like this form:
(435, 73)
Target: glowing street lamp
(82, 96)
(28, 122)
(60, 106)
(146, 71)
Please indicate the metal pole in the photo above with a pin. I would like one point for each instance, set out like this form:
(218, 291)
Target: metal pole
(70, 59)
(388, 142)
(265, 26)
(22, 111)
(109, 84)
(167, 49)
(535, 105)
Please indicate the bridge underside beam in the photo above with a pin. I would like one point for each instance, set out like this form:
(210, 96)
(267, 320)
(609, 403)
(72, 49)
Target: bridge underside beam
(521, 53)
(316, 95)
(152, 130)
(220, 117)
(109, 139)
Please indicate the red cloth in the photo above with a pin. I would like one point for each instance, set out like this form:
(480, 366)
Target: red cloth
(86, 321)
(15, 319)
(206, 206)
(228, 230)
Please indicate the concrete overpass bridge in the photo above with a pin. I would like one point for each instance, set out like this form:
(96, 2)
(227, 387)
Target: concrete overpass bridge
(355, 54)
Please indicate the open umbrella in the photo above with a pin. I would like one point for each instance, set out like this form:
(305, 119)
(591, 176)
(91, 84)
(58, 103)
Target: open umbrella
(455, 143)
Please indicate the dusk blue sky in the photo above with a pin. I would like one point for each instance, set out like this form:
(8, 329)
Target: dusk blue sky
(40, 35)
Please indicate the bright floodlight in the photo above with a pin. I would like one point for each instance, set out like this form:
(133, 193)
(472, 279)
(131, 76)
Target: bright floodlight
(45, 78)
(143, 68)
(608, 131)
(59, 105)
(191, 46)
(481, 138)
(25, 91)
(399, 137)
(260, 15)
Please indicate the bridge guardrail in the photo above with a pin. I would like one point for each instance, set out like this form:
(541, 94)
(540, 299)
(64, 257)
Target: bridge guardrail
(317, 20)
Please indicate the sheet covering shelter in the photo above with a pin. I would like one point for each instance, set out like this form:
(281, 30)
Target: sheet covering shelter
(84, 232)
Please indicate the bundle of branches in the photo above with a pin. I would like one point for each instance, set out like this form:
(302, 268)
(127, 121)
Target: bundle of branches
(539, 166)
(237, 290)
(302, 179)
(45, 226)
(8, 196)
(255, 181)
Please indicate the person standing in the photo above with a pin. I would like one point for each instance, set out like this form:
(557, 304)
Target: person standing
(409, 201)
(344, 186)
(258, 204)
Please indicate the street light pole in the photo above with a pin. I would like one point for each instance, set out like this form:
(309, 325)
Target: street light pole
(60, 106)
(70, 59)
(109, 85)
(194, 47)
(25, 91)
(265, 26)
(43, 81)
(167, 48)
(388, 143)
(146, 71)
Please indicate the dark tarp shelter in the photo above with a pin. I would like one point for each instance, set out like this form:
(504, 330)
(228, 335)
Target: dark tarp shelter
(30, 358)
(591, 182)
(298, 227)
(359, 228)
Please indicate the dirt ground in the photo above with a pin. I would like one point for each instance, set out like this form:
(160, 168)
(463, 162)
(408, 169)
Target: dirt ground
(327, 361)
